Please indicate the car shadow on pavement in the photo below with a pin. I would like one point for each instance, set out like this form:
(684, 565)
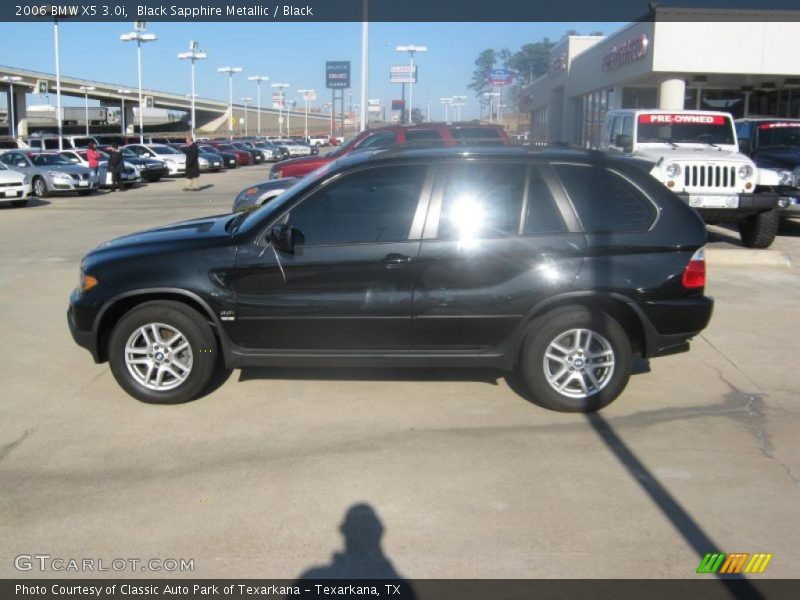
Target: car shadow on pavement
(32, 203)
(362, 557)
(789, 227)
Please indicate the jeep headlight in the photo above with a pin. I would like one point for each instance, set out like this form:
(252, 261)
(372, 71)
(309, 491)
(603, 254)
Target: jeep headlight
(745, 171)
(673, 170)
(785, 177)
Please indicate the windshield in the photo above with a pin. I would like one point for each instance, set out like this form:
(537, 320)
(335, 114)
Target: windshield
(129, 153)
(164, 150)
(682, 128)
(50, 159)
(779, 133)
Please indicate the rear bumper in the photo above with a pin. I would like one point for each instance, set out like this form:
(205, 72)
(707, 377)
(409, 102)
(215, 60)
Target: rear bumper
(670, 324)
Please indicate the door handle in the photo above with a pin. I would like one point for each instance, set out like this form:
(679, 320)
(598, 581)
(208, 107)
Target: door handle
(394, 260)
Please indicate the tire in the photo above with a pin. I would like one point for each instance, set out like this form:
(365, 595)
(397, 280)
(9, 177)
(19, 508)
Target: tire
(40, 187)
(759, 231)
(560, 327)
(170, 317)
(19, 203)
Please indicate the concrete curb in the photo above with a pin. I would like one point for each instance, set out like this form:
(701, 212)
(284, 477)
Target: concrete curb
(744, 257)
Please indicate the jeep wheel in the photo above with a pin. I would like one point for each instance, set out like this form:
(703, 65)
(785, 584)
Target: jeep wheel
(759, 231)
(162, 352)
(576, 360)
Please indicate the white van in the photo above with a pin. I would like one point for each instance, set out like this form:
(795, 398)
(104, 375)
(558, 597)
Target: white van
(696, 155)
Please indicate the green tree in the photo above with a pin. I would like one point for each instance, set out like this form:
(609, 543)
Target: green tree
(417, 116)
(484, 64)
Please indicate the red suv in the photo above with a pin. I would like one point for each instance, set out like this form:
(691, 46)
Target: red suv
(424, 135)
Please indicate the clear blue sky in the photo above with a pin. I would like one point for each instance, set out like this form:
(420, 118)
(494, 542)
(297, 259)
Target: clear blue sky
(294, 53)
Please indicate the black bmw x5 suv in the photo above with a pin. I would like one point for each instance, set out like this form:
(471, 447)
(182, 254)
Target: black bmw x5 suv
(563, 264)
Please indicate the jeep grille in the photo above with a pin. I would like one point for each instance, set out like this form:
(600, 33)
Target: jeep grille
(709, 176)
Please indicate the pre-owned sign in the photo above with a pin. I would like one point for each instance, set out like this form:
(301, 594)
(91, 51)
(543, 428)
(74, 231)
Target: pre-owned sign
(681, 119)
(337, 74)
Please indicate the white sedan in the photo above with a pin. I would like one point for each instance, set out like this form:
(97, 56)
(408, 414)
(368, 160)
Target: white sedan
(15, 187)
(175, 159)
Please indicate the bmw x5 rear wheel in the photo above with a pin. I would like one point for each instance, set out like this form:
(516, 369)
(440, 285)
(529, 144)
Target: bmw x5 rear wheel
(576, 360)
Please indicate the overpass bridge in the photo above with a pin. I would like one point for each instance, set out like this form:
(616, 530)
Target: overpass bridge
(212, 115)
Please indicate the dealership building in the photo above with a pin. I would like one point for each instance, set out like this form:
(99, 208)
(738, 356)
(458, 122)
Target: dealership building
(745, 63)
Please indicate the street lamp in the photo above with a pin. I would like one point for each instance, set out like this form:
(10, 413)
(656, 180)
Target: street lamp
(11, 80)
(246, 100)
(307, 95)
(122, 93)
(86, 89)
(258, 79)
(447, 102)
(280, 87)
(193, 55)
(491, 96)
(139, 36)
(230, 71)
(458, 102)
(411, 49)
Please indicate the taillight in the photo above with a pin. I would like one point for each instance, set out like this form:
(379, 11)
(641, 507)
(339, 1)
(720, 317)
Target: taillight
(694, 275)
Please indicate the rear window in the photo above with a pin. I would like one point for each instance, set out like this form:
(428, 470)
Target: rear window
(605, 201)
(481, 201)
(51, 144)
(422, 138)
(476, 135)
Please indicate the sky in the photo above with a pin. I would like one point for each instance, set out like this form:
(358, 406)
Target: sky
(293, 53)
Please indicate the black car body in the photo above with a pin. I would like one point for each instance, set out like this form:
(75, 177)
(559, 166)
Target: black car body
(773, 144)
(151, 169)
(447, 257)
(228, 158)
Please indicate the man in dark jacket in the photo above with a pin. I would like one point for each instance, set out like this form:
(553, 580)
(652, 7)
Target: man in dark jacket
(115, 166)
(192, 166)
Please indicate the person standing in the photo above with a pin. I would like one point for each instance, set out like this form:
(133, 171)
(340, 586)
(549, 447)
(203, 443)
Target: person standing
(192, 165)
(93, 158)
(115, 166)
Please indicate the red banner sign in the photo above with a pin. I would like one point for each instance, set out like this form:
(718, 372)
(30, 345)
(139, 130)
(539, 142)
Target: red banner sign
(626, 52)
(780, 125)
(682, 119)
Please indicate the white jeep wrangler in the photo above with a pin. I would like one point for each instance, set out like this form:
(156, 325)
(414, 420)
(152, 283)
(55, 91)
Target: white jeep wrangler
(695, 154)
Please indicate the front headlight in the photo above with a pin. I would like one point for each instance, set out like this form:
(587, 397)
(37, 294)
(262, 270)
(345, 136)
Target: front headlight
(672, 170)
(745, 171)
(785, 177)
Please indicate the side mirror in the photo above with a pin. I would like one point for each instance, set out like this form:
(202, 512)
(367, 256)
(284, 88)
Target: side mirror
(744, 145)
(285, 238)
(624, 141)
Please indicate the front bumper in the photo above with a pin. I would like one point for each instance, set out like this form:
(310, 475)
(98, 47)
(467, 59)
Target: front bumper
(15, 192)
(71, 185)
(79, 320)
(789, 201)
(176, 168)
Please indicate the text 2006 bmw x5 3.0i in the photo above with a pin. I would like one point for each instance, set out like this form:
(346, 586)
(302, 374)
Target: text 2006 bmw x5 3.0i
(563, 264)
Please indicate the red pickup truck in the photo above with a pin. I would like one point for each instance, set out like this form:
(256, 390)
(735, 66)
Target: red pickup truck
(424, 135)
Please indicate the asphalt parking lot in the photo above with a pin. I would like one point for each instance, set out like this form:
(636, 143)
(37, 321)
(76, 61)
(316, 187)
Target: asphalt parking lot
(467, 478)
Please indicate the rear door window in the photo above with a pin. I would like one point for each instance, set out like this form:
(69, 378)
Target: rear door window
(605, 201)
(481, 201)
(541, 213)
(476, 135)
(423, 138)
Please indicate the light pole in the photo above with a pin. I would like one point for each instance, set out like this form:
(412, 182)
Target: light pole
(447, 102)
(193, 55)
(290, 104)
(307, 95)
(411, 49)
(364, 66)
(11, 80)
(122, 93)
(56, 45)
(458, 102)
(86, 89)
(258, 79)
(230, 71)
(246, 100)
(139, 36)
(282, 99)
(491, 96)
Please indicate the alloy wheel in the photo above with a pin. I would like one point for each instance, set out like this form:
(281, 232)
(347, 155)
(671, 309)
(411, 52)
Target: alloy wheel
(579, 363)
(158, 356)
